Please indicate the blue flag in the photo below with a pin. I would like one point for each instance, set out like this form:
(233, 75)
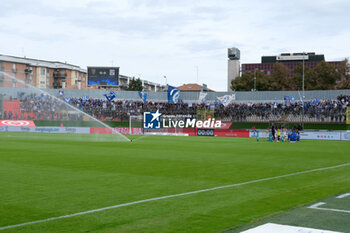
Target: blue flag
(110, 96)
(143, 96)
(315, 101)
(60, 93)
(275, 103)
(173, 94)
(287, 100)
(67, 100)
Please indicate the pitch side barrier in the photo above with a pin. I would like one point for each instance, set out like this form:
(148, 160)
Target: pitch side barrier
(74, 130)
(315, 135)
(127, 130)
(310, 134)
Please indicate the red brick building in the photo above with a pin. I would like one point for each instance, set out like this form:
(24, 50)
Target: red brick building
(290, 60)
(40, 73)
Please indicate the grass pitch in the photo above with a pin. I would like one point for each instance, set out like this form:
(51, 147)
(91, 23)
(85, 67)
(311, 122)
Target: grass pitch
(304, 216)
(51, 175)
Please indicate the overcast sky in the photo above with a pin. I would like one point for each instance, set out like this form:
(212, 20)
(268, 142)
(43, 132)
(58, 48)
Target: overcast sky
(153, 38)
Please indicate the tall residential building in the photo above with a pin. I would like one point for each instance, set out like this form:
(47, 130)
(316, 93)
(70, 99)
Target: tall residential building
(233, 66)
(54, 74)
(40, 73)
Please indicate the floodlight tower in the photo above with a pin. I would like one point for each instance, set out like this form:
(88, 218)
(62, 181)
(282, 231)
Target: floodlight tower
(233, 66)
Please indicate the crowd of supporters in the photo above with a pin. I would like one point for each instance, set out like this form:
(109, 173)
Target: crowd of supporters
(50, 108)
(333, 111)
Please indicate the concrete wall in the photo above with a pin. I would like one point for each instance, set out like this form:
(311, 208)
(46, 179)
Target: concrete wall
(264, 96)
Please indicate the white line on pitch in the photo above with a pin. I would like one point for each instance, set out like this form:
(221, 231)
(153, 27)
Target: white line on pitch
(316, 207)
(343, 195)
(173, 195)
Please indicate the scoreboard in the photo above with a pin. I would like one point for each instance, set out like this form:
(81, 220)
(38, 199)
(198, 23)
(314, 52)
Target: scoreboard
(103, 76)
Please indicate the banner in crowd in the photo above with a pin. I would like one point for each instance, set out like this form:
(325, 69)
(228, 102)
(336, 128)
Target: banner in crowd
(287, 100)
(143, 96)
(85, 99)
(226, 99)
(173, 94)
(202, 96)
(110, 96)
(348, 115)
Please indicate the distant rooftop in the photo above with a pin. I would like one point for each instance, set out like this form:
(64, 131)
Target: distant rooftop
(290, 57)
(60, 65)
(41, 63)
(192, 87)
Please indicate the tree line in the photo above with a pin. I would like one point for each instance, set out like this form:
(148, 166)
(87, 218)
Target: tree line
(324, 76)
(135, 85)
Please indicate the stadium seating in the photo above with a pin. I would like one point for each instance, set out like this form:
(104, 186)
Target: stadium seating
(46, 107)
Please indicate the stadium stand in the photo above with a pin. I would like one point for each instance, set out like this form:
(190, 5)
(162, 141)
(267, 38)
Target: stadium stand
(41, 107)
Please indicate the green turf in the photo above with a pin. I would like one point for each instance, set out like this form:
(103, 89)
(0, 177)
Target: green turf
(48, 175)
(312, 218)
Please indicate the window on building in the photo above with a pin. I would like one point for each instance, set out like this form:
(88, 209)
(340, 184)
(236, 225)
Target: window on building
(42, 71)
(13, 67)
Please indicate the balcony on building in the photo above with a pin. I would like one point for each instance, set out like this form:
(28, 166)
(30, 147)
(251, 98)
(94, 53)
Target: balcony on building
(61, 74)
(57, 85)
